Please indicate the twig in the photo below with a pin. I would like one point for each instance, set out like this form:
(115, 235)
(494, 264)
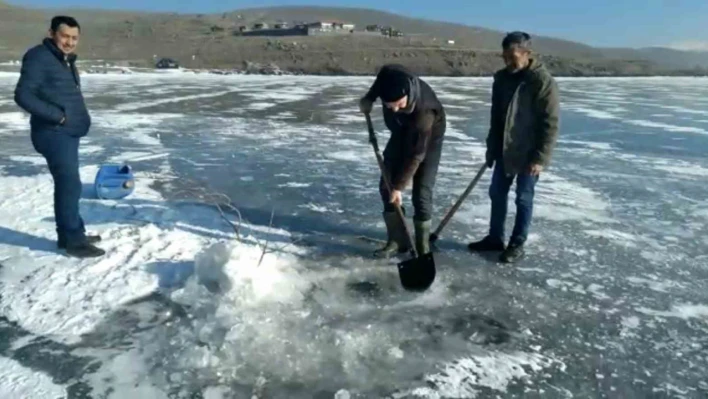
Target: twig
(265, 247)
(292, 242)
(223, 204)
(204, 196)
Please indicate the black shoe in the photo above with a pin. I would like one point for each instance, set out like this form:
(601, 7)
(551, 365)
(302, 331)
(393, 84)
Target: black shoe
(61, 244)
(85, 250)
(486, 244)
(512, 253)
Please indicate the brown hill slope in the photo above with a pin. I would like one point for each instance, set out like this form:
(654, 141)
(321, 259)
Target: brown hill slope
(207, 41)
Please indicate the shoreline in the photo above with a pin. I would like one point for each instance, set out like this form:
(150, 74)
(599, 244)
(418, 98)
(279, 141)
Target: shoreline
(90, 68)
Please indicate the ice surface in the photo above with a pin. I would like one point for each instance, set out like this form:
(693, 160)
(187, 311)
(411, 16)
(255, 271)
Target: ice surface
(683, 311)
(180, 308)
(17, 381)
(13, 121)
(667, 127)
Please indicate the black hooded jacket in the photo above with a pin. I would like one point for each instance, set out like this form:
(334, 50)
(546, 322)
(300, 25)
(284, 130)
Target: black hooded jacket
(417, 129)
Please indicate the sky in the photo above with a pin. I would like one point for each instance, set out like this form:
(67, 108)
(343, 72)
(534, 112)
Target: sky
(608, 23)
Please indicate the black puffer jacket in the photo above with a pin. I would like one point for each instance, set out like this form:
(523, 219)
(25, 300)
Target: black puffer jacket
(416, 130)
(50, 89)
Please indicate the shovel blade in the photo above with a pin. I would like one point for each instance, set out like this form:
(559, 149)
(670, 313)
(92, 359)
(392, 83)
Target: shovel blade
(417, 274)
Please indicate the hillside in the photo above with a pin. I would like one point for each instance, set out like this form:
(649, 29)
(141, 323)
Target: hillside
(666, 57)
(207, 41)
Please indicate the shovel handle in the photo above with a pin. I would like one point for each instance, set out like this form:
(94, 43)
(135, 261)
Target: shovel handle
(384, 174)
(464, 195)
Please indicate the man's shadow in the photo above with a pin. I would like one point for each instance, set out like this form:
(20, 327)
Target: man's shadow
(446, 245)
(317, 231)
(32, 242)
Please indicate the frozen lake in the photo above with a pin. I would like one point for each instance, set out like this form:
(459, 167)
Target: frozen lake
(611, 300)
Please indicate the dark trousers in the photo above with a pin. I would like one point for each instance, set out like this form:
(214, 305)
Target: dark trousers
(62, 155)
(499, 194)
(423, 179)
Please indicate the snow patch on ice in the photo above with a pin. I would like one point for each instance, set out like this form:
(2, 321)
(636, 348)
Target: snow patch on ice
(685, 170)
(560, 199)
(295, 185)
(616, 237)
(283, 94)
(125, 376)
(593, 113)
(86, 149)
(448, 96)
(31, 159)
(321, 208)
(283, 116)
(347, 118)
(589, 144)
(138, 127)
(458, 135)
(667, 127)
(260, 105)
(349, 155)
(629, 324)
(135, 156)
(655, 285)
(17, 381)
(217, 393)
(70, 296)
(151, 103)
(681, 311)
(14, 121)
(464, 377)
(683, 110)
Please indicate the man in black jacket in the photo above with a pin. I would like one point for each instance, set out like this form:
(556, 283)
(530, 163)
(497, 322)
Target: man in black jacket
(416, 119)
(50, 90)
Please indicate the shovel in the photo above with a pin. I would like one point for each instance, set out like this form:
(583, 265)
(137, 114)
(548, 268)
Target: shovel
(417, 273)
(448, 216)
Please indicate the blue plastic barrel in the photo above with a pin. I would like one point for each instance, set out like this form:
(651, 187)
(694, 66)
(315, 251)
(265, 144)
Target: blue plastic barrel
(114, 181)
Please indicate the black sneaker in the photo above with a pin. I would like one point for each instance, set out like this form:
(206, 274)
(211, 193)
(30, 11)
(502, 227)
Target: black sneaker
(61, 244)
(512, 253)
(486, 244)
(85, 250)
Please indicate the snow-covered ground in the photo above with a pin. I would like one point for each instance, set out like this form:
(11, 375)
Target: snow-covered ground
(611, 301)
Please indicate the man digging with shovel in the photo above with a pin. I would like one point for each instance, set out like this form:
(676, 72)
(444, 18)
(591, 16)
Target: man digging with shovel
(416, 119)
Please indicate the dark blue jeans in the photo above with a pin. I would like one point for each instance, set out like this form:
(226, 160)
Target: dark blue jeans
(62, 154)
(423, 179)
(499, 194)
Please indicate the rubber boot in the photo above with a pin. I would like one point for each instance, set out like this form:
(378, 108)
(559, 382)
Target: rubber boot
(396, 242)
(422, 236)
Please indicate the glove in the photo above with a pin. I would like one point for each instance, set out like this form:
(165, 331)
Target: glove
(489, 159)
(365, 106)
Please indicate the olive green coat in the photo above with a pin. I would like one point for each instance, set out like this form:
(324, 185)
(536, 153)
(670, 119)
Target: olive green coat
(524, 133)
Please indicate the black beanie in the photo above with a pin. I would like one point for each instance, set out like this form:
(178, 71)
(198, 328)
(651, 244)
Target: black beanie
(394, 86)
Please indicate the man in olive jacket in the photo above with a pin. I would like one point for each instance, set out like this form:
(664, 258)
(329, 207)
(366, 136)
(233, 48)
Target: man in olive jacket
(524, 128)
(49, 89)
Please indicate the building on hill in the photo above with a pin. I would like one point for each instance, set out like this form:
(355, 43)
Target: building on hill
(330, 27)
(318, 28)
(321, 25)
